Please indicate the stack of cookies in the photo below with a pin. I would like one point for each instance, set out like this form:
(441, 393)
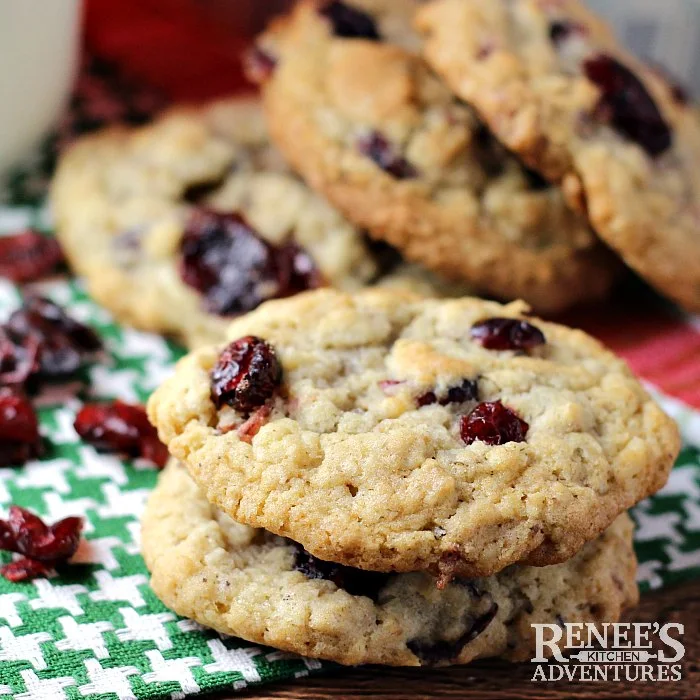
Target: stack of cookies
(370, 466)
(383, 478)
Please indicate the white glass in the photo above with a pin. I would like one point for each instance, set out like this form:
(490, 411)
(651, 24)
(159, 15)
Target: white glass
(38, 55)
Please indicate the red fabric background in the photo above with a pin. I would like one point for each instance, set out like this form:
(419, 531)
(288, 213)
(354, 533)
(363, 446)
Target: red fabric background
(169, 44)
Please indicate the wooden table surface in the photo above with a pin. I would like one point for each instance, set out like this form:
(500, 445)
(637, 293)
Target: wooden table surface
(501, 681)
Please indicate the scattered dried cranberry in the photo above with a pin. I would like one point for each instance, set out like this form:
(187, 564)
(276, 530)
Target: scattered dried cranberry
(247, 374)
(354, 581)
(20, 440)
(25, 569)
(560, 30)
(349, 22)
(258, 65)
(7, 539)
(120, 427)
(42, 546)
(443, 651)
(494, 424)
(19, 357)
(626, 104)
(376, 147)
(468, 390)
(63, 342)
(28, 256)
(235, 269)
(507, 334)
(48, 543)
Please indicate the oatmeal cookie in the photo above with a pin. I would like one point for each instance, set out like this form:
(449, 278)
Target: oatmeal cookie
(268, 590)
(554, 85)
(181, 224)
(361, 117)
(391, 432)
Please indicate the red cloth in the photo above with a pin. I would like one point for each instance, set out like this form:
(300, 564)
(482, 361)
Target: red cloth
(168, 44)
(660, 345)
(182, 52)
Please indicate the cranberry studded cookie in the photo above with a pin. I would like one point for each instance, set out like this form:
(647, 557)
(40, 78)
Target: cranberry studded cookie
(268, 590)
(391, 432)
(555, 87)
(365, 122)
(179, 225)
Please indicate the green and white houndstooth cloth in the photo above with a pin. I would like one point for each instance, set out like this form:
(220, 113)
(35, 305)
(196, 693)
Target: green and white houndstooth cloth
(97, 631)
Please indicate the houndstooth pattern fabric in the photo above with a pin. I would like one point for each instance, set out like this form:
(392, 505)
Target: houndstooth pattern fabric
(97, 631)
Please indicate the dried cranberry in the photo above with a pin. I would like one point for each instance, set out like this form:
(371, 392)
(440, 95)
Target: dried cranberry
(247, 374)
(20, 440)
(248, 430)
(25, 569)
(28, 256)
(120, 427)
(296, 271)
(354, 581)
(349, 22)
(154, 450)
(627, 106)
(468, 390)
(7, 538)
(235, 269)
(258, 65)
(63, 342)
(47, 543)
(494, 424)
(444, 651)
(42, 546)
(560, 30)
(507, 334)
(376, 147)
(427, 399)
(19, 357)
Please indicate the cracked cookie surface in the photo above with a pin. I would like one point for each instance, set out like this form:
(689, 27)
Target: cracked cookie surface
(366, 123)
(558, 90)
(251, 584)
(396, 440)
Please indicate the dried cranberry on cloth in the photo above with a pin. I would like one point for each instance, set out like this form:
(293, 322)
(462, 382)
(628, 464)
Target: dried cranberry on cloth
(94, 627)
